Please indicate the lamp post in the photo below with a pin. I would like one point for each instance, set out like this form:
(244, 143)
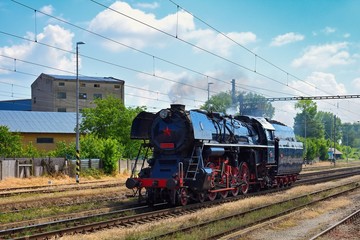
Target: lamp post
(208, 90)
(77, 115)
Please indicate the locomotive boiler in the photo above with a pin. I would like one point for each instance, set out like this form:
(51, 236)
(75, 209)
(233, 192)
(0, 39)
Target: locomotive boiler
(199, 155)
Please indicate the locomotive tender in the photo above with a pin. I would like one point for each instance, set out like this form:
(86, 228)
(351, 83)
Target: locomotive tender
(200, 155)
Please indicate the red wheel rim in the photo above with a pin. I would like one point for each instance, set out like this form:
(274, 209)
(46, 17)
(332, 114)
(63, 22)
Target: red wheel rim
(224, 194)
(244, 177)
(212, 196)
(235, 192)
(183, 198)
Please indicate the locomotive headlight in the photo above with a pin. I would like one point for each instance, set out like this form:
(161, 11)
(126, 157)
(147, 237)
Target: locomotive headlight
(164, 113)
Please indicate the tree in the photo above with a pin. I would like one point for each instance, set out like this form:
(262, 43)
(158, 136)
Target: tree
(10, 143)
(91, 146)
(64, 150)
(327, 119)
(351, 133)
(255, 105)
(306, 123)
(218, 103)
(249, 104)
(110, 155)
(110, 119)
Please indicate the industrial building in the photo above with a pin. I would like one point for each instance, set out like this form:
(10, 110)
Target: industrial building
(57, 93)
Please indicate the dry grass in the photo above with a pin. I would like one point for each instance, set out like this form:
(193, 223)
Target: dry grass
(210, 213)
(310, 213)
(43, 181)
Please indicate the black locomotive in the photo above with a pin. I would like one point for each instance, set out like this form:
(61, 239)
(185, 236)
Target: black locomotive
(201, 155)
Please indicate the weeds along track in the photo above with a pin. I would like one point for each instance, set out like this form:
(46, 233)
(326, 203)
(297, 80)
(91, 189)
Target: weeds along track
(124, 217)
(351, 223)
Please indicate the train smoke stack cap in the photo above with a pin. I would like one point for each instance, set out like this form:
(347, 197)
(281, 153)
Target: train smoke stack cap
(179, 107)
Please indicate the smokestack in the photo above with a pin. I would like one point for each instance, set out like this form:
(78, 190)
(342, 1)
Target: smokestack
(178, 107)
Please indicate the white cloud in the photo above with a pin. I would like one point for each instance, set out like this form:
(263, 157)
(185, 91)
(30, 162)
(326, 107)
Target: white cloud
(52, 35)
(135, 34)
(316, 84)
(286, 39)
(324, 56)
(329, 30)
(346, 35)
(130, 32)
(218, 43)
(356, 83)
(48, 9)
(153, 5)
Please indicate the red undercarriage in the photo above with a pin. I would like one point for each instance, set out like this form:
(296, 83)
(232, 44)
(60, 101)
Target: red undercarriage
(161, 182)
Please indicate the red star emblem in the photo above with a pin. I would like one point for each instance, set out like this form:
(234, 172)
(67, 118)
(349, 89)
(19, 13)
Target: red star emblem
(167, 131)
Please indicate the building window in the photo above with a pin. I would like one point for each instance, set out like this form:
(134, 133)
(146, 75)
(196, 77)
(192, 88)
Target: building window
(44, 140)
(117, 86)
(34, 99)
(97, 95)
(61, 84)
(97, 85)
(61, 95)
(82, 96)
(61, 109)
(82, 85)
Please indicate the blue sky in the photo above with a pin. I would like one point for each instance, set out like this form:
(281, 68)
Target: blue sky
(271, 47)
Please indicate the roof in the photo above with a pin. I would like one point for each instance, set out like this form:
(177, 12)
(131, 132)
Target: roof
(336, 151)
(18, 105)
(85, 78)
(39, 122)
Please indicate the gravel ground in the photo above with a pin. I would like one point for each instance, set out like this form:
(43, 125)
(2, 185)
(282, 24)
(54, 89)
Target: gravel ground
(309, 222)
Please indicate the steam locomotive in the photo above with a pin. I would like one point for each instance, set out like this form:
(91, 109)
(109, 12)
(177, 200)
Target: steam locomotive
(199, 155)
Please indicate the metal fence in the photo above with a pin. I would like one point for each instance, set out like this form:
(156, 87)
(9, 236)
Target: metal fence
(26, 167)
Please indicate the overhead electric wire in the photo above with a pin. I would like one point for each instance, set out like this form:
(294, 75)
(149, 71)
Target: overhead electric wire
(196, 46)
(189, 43)
(151, 55)
(81, 75)
(247, 49)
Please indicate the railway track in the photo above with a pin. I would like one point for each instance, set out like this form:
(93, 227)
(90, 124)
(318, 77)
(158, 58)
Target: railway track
(242, 220)
(7, 192)
(91, 223)
(353, 218)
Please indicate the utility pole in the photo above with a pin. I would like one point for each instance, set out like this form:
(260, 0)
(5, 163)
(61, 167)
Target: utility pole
(77, 115)
(233, 98)
(334, 139)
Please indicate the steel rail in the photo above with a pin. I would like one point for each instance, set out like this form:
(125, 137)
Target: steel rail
(349, 218)
(127, 220)
(242, 214)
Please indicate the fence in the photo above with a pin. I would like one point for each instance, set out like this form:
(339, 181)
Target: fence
(26, 167)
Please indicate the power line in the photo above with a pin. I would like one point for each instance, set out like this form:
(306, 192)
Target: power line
(151, 55)
(167, 61)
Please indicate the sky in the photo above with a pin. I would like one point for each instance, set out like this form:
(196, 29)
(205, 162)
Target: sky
(179, 51)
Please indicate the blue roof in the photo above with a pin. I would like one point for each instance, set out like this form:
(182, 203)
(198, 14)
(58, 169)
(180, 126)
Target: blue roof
(85, 78)
(39, 122)
(17, 105)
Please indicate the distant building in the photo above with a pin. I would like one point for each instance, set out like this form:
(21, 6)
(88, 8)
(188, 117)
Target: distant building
(16, 105)
(57, 93)
(331, 154)
(42, 129)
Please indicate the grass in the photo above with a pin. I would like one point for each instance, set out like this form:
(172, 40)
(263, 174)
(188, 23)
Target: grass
(60, 179)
